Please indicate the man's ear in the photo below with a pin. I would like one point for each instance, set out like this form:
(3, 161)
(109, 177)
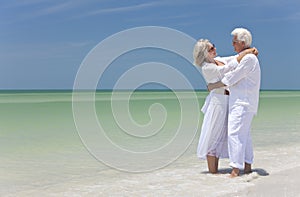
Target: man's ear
(244, 45)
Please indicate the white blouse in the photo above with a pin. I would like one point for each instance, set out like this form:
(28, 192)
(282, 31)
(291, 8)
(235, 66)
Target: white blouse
(213, 73)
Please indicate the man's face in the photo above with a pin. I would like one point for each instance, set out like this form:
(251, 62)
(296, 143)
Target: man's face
(238, 45)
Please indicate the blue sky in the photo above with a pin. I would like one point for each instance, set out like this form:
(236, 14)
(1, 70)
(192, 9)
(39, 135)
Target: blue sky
(43, 42)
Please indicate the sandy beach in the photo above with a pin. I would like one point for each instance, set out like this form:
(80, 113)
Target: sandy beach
(281, 178)
(275, 173)
(285, 183)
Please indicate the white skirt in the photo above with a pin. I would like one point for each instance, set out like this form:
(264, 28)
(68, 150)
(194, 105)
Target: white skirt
(213, 137)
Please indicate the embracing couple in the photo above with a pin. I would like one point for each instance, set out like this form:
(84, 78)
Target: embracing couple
(234, 84)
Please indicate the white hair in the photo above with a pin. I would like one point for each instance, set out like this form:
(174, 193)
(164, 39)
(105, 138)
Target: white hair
(200, 52)
(243, 35)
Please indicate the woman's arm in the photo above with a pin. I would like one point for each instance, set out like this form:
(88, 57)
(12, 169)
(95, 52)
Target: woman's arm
(245, 52)
(219, 84)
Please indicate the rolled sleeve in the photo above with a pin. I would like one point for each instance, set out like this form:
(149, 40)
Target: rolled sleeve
(225, 81)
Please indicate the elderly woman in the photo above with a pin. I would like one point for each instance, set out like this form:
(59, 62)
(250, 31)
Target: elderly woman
(213, 142)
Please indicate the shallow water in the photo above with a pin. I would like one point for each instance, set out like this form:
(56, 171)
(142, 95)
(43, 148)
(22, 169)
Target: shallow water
(42, 153)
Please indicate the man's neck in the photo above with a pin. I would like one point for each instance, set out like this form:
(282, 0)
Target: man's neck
(245, 49)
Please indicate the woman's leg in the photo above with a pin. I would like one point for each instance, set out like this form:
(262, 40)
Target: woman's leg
(217, 163)
(212, 163)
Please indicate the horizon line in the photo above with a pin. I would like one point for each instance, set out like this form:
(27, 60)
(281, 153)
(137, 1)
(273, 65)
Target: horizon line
(110, 90)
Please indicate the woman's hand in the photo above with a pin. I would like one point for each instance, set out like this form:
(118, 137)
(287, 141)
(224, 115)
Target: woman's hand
(252, 50)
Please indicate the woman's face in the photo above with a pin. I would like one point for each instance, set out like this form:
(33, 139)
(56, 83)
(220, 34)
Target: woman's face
(212, 52)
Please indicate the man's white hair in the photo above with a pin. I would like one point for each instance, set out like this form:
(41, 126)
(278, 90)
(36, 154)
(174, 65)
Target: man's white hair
(243, 35)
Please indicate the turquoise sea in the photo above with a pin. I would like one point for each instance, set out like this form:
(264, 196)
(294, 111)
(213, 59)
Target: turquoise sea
(43, 154)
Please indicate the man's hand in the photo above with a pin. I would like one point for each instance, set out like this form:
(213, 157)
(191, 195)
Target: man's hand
(210, 87)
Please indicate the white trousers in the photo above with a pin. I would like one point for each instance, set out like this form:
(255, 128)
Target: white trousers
(239, 138)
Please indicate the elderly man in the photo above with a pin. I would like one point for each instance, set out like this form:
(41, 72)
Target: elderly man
(244, 84)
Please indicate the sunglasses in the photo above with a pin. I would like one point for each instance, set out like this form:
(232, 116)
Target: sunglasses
(211, 48)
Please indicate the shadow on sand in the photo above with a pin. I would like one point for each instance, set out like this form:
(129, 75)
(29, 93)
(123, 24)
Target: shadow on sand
(259, 171)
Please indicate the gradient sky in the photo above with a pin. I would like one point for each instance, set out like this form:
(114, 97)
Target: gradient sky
(43, 42)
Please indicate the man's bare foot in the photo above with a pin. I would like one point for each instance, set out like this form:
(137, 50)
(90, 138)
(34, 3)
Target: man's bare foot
(247, 169)
(234, 173)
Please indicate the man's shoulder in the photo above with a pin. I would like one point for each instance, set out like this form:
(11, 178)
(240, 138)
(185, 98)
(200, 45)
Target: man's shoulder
(251, 56)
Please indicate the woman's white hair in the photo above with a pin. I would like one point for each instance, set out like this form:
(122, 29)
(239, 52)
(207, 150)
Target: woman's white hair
(243, 35)
(200, 52)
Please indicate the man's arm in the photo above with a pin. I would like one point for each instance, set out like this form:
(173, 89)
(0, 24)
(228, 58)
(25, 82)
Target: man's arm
(239, 58)
(212, 86)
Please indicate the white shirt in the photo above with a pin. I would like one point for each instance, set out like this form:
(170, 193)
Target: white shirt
(213, 73)
(244, 83)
